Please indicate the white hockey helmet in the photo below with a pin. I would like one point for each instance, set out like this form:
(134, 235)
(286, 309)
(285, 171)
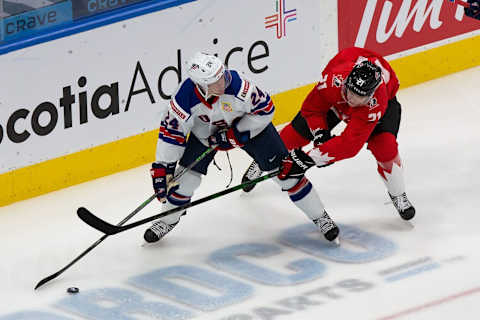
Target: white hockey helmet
(205, 69)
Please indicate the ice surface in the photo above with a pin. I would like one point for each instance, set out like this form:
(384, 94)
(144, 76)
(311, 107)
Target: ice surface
(252, 256)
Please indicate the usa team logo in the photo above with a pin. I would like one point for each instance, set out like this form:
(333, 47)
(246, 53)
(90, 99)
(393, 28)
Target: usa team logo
(280, 18)
(226, 107)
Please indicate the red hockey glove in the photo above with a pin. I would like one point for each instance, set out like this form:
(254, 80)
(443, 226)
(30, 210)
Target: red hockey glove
(295, 165)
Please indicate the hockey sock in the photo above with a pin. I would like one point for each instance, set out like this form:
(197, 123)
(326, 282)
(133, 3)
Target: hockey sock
(303, 196)
(392, 175)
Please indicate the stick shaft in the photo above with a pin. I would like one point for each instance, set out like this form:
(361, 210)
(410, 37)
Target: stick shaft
(121, 223)
(110, 229)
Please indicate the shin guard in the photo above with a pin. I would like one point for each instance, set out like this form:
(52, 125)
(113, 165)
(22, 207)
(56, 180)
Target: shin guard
(303, 195)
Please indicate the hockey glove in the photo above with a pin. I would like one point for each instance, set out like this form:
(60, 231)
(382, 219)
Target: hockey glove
(295, 165)
(320, 136)
(474, 10)
(227, 139)
(161, 176)
(219, 140)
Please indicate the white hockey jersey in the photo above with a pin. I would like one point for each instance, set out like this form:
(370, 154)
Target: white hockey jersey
(188, 112)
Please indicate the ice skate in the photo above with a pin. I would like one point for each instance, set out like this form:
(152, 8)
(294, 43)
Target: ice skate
(157, 231)
(328, 228)
(252, 173)
(404, 207)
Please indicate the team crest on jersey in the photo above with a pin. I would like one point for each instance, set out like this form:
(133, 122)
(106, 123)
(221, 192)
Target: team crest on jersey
(226, 107)
(372, 103)
(337, 80)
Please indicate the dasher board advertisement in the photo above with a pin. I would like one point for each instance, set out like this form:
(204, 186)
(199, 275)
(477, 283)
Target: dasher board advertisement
(392, 27)
(113, 82)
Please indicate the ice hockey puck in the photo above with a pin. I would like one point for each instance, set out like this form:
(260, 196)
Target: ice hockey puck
(73, 290)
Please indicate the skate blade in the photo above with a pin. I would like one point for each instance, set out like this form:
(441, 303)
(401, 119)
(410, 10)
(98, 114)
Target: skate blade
(336, 241)
(146, 244)
(244, 194)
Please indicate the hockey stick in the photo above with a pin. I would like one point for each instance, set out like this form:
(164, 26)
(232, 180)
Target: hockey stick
(134, 212)
(110, 229)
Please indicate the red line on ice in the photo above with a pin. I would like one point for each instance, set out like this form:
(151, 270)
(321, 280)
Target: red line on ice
(431, 304)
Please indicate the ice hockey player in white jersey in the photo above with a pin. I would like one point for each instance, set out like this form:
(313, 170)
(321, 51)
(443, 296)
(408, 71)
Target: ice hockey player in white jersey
(216, 107)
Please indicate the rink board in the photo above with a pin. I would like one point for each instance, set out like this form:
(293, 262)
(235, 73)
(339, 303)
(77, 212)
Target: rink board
(124, 94)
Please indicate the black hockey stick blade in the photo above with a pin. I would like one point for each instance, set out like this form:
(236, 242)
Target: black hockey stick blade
(45, 280)
(110, 229)
(59, 272)
(97, 223)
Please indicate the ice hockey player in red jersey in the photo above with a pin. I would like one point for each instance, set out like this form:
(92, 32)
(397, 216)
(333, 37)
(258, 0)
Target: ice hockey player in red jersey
(359, 87)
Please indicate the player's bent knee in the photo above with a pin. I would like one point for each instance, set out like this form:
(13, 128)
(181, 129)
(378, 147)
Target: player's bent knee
(383, 146)
(188, 183)
(292, 139)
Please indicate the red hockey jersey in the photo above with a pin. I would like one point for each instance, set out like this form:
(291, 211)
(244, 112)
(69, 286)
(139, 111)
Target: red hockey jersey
(361, 120)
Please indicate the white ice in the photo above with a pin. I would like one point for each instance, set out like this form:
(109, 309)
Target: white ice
(428, 272)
